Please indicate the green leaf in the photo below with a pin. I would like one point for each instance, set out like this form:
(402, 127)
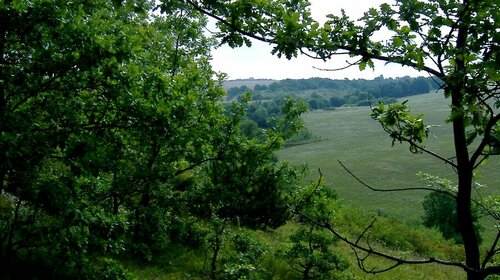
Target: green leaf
(397, 42)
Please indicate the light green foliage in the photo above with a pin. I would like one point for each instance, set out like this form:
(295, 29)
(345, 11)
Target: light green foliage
(314, 201)
(244, 257)
(438, 183)
(400, 124)
(309, 251)
(491, 204)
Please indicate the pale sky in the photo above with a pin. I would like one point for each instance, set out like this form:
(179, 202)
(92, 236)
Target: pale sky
(258, 62)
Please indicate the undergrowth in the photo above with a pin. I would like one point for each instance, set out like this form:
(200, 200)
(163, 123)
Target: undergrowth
(252, 254)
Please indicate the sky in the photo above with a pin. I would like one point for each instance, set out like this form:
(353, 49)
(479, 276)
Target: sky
(258, 62)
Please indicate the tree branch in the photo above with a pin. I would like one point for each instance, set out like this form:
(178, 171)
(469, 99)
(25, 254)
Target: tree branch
(370, 251)
(349, 65)
(392, 190)
(232, 26)
(492, 251)
(487, 134)
(299, 203)
(194, 165)
(412, 143)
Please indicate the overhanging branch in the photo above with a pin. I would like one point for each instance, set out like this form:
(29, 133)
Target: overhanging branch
(333, 49)
(392, 190)
(370, 251)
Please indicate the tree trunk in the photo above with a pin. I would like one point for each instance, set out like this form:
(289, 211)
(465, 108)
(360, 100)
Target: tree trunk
(305, 274)
(464, 194)
(456, 85)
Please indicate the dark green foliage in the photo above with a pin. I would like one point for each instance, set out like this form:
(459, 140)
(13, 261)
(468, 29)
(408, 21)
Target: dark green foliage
(251, 129)
(313, 104)
(378, 87)
(336, 101)
(259, 87)
(247, 183)
(441, 213)
(338, 92)
(304, 136)
(235, 91)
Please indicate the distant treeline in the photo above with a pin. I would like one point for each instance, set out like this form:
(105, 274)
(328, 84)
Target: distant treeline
(326, 94)
(323, 93)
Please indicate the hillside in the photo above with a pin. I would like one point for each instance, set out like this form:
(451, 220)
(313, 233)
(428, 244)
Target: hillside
(351, 136)
(250, 83)
(327, 93)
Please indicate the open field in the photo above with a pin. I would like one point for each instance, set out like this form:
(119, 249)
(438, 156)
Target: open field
(360, 143)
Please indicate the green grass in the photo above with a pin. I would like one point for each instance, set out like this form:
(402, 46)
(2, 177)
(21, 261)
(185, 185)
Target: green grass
(182, 263)
(352, 137)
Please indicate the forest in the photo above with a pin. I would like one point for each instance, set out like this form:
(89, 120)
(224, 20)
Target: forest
(122, 156)
(343, 91)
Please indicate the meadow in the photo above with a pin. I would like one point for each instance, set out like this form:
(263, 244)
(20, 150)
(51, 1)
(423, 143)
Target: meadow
(352, 137)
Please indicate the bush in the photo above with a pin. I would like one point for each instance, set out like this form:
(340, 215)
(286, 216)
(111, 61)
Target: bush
(309, 252)
(441, 213)
(108, 269)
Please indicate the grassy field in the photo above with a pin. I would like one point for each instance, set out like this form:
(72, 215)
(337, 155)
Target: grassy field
(360, 143)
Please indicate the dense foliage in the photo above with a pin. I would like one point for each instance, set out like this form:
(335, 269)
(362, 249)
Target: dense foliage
(113, 139)
(320, 93)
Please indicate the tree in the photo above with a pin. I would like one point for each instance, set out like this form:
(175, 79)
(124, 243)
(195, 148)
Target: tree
(454, 41)
(309, 250)
(111, 120)
(420, 85)
(247, 184)
(336, 101)
(441, 213)
(62, 73)
(108, 112)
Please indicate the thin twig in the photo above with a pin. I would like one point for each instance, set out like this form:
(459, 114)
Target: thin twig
(392, 190)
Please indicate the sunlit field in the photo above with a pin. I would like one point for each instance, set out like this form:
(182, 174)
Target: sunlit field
(352, 137)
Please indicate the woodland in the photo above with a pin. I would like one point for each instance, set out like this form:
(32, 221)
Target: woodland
(120, 152)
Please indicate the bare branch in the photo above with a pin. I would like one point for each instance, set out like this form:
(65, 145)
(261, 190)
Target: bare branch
(365, 231)
(486, 138)
(349, 65)
(492, 251)
(419, 147)
(370, 251)
(393, 190)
